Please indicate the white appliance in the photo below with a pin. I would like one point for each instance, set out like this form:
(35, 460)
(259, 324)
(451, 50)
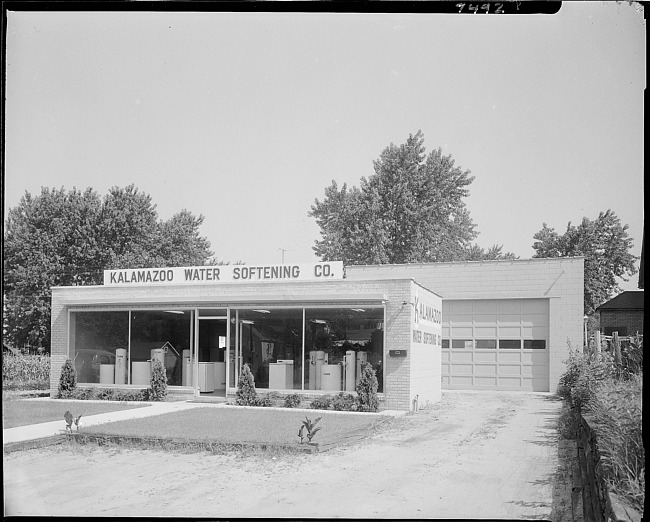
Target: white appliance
(206, 377)
(187, 369)
(141, 373)
(281, 375)
(120, 366)
(321, 359)
(312, 370)
(350, 367)
(106, 374)
(362, 357)
(331, 377)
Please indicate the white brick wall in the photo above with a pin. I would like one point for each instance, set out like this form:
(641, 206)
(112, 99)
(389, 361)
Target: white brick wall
(561, 280)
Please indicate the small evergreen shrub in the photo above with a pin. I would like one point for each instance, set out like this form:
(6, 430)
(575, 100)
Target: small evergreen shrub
(158, 390)
(246, 393)
(68, 380)
(322, 403)
(367, 397)
(345, 402)
(292, 401)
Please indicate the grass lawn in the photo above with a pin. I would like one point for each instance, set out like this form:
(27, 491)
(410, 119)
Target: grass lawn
(21, 412)
(236, 425)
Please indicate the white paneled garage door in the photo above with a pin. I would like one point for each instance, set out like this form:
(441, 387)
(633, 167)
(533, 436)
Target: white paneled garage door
(495, 344)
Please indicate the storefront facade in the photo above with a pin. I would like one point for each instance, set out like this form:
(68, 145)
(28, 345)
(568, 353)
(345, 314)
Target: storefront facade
(301, 329)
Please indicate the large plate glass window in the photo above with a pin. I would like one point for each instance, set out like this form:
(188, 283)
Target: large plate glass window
(337, 342)
(270, 342)
(96, 339)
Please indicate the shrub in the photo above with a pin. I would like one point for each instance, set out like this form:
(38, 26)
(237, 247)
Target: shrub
(68, 380)
(109, 394)
(25, 372)
(262, 401)
(345, 402)
(615, 413)
(322, 403)
(292, 401)
(246, 393)
(582, 376)
(158, 390)
(367, 389)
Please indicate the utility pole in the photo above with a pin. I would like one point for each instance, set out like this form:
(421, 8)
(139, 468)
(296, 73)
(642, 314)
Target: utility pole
(283, 251)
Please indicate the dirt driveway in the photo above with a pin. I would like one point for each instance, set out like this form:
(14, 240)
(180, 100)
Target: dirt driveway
(474, 455)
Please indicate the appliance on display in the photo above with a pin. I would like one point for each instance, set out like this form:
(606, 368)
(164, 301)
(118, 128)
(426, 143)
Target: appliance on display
(187, 369)
(312, 370)
(141, 372)
(107, 374)
(281, 375)
(362, 357)
(350, 367)
(331, 377)
(321, 359)
(120, 366)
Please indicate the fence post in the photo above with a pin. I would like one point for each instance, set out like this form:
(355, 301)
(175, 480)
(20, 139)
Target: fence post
(597, 342)
(616, 345)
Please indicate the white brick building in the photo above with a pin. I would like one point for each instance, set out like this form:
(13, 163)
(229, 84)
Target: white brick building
(305, 328)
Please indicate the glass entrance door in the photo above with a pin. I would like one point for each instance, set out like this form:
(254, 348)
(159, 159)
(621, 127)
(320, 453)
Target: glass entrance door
(211, 350)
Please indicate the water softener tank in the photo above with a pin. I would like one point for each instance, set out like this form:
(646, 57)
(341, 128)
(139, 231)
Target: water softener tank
(312, 370)
(331, 377)
(320, 360)
(362, 357)
(107, 374)
(187, 370)
(120, 366)
(350, 367)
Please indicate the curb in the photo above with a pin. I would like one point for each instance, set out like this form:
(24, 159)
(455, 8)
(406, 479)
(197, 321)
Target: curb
(34, 443)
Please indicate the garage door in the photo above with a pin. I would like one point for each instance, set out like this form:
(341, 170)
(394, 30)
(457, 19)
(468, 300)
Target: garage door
(495, 344)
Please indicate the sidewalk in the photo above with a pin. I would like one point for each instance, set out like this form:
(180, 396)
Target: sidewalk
(54, 428)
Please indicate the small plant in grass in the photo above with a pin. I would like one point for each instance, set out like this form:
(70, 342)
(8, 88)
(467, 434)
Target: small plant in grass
(158, 390)
(308, 429)
(292, 401)
(246, 393)
(367, 389)
(68, 380)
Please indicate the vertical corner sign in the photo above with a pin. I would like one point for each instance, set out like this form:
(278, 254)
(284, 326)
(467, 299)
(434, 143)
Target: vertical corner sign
(325, 271)
(427, 320)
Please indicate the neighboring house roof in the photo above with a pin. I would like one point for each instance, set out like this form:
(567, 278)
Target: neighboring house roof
(631, 300)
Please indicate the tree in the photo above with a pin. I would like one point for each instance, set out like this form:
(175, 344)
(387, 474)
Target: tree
(411, 210)
(605, 245)
(67, 238)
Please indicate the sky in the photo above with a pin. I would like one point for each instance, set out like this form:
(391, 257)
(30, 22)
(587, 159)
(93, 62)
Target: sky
(246, 118)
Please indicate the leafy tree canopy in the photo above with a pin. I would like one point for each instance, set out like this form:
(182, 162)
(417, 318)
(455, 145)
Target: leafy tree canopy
(64, 238)
(410, 211)
(605, 245)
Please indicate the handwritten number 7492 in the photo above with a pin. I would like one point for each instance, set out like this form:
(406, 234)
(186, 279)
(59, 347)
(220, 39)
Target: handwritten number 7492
(498, 8)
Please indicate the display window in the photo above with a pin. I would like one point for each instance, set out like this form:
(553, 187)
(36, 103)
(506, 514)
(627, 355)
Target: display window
(96, 339)
(112, 347)
(291, 348)
(337, 342)
(270, 342)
